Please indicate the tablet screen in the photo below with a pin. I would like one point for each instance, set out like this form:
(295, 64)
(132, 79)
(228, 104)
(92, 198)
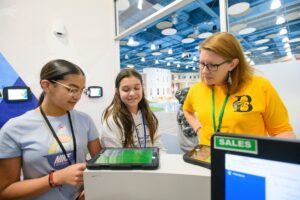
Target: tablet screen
(125, 156)
(200, 155)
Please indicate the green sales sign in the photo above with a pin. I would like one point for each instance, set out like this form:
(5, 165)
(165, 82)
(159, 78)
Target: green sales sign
(235, 144)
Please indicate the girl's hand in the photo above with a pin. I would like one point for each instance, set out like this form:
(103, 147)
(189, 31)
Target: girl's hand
(71, 175)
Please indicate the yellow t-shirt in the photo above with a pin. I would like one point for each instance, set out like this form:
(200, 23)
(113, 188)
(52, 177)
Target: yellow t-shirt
(256, 109)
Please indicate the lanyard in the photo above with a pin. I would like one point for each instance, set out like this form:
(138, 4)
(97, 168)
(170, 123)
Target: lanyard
(57, 139)
(138, 133)
(221, 112)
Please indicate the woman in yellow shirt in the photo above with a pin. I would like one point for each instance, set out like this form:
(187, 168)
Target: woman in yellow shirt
(230, 98)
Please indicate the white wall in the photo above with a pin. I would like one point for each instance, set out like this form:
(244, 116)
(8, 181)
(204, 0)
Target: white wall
(285, 77)
(27, 42)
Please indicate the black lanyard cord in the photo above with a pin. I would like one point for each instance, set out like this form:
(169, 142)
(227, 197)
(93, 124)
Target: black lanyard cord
(57, 139)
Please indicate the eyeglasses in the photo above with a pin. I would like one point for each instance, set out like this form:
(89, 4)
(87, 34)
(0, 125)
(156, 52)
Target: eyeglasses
(212, 67)
(72, 91)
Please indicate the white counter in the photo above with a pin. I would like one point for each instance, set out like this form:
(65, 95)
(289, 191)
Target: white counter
(173, 180)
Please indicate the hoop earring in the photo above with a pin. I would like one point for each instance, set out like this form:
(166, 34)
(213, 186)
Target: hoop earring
(229, 80)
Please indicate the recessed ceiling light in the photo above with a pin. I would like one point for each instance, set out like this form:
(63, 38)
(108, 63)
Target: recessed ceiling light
(156, 53)
(169, 58)
(286, 45)
(193, 35)
(292, 16)
(130, 66)
(152, 47)
(271, 36)
(132, 43)
(285, 39)
(268, 53)
(295, 40)
(262, 41)
(262, 48)
(280, 20)
(247, 31)
(188, 40)
(204, 35)
(283, 31)
(275, 4)
(169, 31)
(237, 27)
(163, 25)
(238, 8)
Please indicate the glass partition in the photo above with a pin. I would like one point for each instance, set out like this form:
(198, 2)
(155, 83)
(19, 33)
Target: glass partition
(269, 30)
(130, 12)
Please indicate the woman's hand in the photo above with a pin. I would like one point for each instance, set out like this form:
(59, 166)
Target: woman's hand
(71, 175)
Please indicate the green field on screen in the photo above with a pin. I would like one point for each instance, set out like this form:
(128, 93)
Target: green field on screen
(126, 156)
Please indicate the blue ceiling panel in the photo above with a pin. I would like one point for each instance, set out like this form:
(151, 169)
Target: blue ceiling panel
(203, 16)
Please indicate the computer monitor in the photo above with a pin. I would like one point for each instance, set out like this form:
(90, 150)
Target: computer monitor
(261, 168)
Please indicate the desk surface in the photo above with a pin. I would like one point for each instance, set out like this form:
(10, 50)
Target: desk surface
(174, 180)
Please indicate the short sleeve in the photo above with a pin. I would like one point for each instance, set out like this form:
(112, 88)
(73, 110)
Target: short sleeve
(9, 148)
(93, 131)
(188, 103)
(111, 135)
(276, 114)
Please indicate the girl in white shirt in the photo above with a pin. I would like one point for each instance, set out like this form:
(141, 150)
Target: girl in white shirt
(128, 121)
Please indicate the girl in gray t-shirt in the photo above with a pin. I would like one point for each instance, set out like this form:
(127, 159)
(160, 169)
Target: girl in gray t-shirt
(49, 144)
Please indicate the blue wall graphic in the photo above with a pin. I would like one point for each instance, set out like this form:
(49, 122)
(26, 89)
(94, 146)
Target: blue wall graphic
(9, 77)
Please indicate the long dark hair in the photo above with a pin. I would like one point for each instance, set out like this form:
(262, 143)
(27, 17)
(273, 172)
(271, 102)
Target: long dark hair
(121, 115)
(56, 70)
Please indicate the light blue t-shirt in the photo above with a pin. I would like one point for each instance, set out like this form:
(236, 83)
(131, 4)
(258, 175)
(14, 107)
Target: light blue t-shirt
(28, 136)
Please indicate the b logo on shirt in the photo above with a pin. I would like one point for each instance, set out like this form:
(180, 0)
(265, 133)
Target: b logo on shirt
(242, 104)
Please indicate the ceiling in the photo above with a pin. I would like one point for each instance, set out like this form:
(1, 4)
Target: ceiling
(252, 21)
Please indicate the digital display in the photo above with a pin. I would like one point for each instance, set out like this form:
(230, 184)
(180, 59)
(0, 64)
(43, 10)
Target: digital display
(16, 93)
(125, 156)
(201, 153)
(95, 91)
(256, 178)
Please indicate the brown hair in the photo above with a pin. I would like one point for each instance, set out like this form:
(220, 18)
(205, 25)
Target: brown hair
(120, 113)
(227, 46)
(57, 70)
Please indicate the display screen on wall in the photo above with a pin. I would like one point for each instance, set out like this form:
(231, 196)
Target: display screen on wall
(95, 91)
(16, 93)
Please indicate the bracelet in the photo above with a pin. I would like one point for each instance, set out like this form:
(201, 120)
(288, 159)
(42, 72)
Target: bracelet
(50, 179)
(196, 131)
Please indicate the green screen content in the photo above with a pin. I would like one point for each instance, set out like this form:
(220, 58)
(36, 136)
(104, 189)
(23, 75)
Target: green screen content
(126, 156)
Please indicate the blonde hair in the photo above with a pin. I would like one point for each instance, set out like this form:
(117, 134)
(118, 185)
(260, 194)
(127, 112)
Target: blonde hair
(228, 47)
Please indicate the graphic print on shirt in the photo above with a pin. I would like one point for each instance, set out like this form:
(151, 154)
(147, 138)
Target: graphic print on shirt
(243, 104)
(56, 158)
